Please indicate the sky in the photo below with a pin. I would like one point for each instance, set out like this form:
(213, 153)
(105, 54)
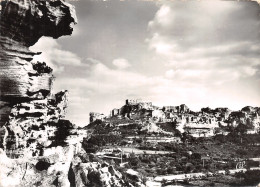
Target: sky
(201, 53)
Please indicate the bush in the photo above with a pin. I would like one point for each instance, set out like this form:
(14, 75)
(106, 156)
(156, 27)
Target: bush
(94, 179)
(196, 156)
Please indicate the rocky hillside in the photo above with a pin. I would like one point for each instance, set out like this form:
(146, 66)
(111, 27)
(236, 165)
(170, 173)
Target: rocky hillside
(170, 120)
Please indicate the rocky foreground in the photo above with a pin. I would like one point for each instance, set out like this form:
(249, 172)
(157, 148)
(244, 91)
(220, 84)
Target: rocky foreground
(37, 146)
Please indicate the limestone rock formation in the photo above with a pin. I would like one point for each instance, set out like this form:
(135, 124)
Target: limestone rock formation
(26, 101)
(96, 174)
(32, 19)
(36, 145)
(22, 23)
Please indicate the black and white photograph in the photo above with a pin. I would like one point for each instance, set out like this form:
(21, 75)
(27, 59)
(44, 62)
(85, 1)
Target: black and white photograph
(129, 93)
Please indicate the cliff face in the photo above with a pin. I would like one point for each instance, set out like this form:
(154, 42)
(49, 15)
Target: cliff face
(36, 145)
(25, 96)
(22, 24)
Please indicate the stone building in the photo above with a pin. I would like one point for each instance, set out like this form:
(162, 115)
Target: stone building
(93, 116)
(115, 112)
(132, 101)
(184, 108)
(174, 109)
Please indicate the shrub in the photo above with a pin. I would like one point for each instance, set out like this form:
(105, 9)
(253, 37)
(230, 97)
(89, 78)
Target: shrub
(94, 179)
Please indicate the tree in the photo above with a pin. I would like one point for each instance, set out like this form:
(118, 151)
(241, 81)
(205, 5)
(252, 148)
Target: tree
(94, 179)
(196, 156)
(220, 138)
(241, 129)
(241, 152)
(189, 167)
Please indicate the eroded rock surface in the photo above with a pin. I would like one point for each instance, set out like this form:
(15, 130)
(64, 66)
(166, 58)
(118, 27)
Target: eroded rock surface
(37, 145)
(27, 104)
(32, 19)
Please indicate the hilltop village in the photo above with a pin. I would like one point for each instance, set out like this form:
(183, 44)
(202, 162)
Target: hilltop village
(205, 123)
(175, 145)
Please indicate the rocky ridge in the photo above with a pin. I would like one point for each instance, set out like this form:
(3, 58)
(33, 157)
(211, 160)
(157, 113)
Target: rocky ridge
(204, 123)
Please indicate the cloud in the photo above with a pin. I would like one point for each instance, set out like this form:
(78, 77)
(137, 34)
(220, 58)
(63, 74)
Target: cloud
(101, 79)
(121, 63)
(104, 88)
(195, 52)
(100, 90)
(207, 42)
(54, 55)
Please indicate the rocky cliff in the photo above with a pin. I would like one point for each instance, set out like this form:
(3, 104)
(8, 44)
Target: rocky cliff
(36, 145)
(26, 98)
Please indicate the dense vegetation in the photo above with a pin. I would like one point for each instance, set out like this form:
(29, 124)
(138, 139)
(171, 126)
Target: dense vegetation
(193, 155)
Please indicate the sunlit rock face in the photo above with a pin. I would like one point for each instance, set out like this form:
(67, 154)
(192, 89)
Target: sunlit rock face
(33, 125)
(48, 170)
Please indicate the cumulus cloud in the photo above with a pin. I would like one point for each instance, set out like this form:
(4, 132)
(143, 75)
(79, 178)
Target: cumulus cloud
(121, 63)
(104, 88)
(207, 41)
(54, 55)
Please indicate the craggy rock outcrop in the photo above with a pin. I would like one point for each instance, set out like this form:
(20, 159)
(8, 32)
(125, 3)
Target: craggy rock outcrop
(22, 23)
(32, 19)
(36, 145)
(64, 167)
(49, 170)
(32, 125)
(26, 101)
(96, 174)
(84, 172)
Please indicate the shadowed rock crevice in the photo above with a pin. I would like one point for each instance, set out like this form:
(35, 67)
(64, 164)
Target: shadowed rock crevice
(71, 177)
(42, 165)
(41, 68)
